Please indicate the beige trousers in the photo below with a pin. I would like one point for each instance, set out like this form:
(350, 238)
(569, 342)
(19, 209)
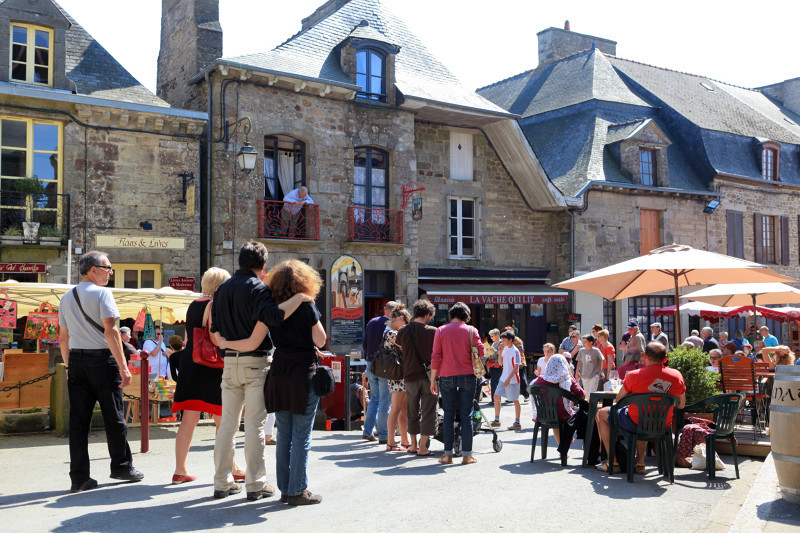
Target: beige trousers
(242, 386)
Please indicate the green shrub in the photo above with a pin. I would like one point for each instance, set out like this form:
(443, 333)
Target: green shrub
(12, 231)
(692, 363)
(49, 231)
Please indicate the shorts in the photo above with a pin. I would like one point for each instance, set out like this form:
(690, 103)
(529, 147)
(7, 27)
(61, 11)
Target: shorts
(397, 385)
(511, 393)
(624, 421)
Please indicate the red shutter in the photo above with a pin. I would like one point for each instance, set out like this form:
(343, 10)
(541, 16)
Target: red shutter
(784, 240)
(758, 238)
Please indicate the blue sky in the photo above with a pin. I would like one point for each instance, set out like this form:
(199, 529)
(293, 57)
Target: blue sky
(751, 45)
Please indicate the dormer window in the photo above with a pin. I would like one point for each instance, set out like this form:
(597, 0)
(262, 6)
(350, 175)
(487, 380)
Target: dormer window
(370, 75)
(770, 161)
(31, 54)
(647, 166)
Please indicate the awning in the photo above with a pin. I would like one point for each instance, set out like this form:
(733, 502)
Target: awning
(492, 293)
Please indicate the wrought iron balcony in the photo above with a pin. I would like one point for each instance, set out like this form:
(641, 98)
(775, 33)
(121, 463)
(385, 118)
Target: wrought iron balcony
(374, 224)
(286, 220)
(31, 218)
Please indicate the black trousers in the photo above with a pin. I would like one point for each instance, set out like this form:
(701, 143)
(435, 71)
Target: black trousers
(95, 378)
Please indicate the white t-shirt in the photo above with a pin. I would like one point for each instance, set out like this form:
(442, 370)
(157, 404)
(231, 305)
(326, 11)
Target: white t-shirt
(510, 357)
(160, 363)
(541, 365)
(98, 302)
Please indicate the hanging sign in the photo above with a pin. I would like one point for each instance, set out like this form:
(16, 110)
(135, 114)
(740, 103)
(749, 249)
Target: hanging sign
(347, 307)
(416, 209)
(23, 268)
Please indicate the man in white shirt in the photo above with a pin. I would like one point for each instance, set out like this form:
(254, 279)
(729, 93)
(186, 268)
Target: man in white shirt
(159, 355)
(292, 208)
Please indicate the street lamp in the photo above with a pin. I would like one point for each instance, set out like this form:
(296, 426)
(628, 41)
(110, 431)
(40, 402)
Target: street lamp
(247, 154)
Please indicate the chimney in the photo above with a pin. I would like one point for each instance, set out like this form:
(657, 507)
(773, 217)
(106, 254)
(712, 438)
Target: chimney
(555, 44)
(787, 93)
(191, 38)
(322, 11)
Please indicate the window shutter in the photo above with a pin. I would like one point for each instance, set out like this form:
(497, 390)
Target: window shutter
(735, 234)
(784, 240)
(798, 238)
(758, 238)
(648, 232)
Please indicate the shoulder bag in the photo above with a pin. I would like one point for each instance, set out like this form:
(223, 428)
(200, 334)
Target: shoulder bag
(386, 365)
(204, 351)
(323, 381)
(477, 364)
(97, 326)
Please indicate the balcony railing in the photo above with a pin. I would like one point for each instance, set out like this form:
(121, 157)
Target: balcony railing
(50, 211)
(374, 224)
(286, 220)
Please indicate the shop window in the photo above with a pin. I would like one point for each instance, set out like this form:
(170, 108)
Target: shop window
(31, 54)
(463, 228)
(371, 75)
(133, 276)
(284, 166)
(610, 319)
(29, 148)
(461, 156)
(643, 309)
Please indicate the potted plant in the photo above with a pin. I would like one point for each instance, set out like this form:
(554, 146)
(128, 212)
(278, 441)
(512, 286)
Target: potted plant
(693, 364)
(49, 236)
(34, 192)
(11, 235)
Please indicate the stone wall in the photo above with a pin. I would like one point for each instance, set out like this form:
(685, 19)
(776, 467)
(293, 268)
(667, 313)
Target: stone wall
(555, 44)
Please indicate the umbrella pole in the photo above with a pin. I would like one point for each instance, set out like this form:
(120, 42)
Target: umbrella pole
(678, 336)
(755, 311)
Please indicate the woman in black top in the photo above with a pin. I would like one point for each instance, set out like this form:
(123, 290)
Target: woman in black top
(288, 392)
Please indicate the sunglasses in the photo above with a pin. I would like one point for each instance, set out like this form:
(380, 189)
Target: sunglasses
(110, 269)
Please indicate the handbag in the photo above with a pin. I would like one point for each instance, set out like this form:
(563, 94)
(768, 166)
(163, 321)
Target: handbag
(204, 351)
(323, 380)
(477, 364)
(386, 365)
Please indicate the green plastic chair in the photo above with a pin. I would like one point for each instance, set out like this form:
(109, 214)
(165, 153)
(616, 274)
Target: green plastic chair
(546, 398)
(652, 427)
(728, 405)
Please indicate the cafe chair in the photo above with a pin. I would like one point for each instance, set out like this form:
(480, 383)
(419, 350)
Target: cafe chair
(738, 374)
(546, 398)
(652, 427)
(727, 407)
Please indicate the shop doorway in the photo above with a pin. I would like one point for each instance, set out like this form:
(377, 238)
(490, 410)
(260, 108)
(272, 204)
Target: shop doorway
(379, 288)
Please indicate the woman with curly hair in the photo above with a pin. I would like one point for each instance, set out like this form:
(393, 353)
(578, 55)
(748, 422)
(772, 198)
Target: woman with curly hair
(398, 415)
(288, 391)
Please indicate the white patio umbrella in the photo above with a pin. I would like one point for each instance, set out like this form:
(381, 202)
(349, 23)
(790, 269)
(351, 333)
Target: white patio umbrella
(739, 294)
(669, 267)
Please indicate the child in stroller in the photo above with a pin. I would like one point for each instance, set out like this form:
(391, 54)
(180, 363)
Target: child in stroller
(479, 423)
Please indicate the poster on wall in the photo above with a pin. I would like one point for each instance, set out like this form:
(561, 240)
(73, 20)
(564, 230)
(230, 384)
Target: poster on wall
(347, 311)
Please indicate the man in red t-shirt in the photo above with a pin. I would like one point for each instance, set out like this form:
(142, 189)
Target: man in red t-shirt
(653, 377)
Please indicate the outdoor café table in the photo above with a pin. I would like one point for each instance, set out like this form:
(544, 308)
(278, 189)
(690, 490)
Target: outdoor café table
(607, 399)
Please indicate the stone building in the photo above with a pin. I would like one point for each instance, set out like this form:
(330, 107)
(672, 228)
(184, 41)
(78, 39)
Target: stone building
(655, 156)
(356, 109)
(89, 156)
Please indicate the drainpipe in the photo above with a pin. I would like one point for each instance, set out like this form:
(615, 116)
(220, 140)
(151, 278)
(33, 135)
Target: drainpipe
(205, 188)
(572, 254)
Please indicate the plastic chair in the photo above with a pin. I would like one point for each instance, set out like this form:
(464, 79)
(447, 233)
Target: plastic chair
(652, 427)
(725, 421)
(737, 374)
(546, 398)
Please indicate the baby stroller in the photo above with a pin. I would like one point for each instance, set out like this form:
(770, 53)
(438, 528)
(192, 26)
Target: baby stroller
(479, 423)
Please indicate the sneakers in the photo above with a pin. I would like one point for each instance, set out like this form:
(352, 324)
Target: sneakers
(89, 484)
(234, 489)
(495, 424)
(266, 492)
(515, 426)
(306, 498)
(128, 475)
(370, 438)
(284, 498)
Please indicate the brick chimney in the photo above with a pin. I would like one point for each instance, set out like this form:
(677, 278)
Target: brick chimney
(191, 38)
(555, 44)
(787, 93)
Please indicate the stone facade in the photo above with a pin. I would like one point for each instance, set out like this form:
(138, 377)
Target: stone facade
(555, 44)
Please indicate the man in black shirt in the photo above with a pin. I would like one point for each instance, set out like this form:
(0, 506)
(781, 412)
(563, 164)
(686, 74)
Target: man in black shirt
(239, 304)
(709, 342)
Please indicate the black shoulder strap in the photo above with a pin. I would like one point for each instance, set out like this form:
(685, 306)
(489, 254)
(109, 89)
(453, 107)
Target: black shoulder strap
(97, 326)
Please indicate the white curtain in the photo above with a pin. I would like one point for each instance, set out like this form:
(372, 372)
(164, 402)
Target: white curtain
(286, 171)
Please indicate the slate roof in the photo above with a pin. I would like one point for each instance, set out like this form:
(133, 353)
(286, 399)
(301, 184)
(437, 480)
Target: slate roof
(312, 53)
(574, 109)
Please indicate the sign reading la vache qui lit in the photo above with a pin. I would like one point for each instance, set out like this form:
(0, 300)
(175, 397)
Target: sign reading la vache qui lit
(138, 242)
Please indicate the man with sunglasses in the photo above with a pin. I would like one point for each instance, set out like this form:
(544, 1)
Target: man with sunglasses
(91, 347)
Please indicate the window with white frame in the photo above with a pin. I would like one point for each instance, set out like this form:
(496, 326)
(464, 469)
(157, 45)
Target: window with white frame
(463, 228)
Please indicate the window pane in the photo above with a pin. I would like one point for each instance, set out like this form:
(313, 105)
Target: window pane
(269, 167)
(375, 85)
(20, 34)
(361, 63)
(378, 177)
(378, 197)
(376, 65)
(360, 195)
(41, 56)
(361, 81)
(12, 163)
(131, 279)
(15, 133)
(45, 166)
(453, 208)
(360, 176)
(468, 228)
(453, 226)
(453, 246)
(40, 75)
(19, 53)
(467, 246)
(42, 39)
(45, 137)
(148, 279)
(467, 209)
(18, 72)
(378, 159)
(360, 158)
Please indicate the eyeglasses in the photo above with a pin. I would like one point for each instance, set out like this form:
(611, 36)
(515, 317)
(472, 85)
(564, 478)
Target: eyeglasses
(110, 269)
(715, 358)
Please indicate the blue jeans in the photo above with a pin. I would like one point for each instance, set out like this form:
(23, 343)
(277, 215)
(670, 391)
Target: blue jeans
(380, 401)
(291, 450)
(457, 392)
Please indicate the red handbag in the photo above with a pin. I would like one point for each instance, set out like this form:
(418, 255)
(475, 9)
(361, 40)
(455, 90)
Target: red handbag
(204, 351)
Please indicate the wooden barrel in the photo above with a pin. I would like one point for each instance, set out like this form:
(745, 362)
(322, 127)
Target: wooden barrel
(785, 428)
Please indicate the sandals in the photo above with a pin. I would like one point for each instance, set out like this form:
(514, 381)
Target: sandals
(396, 448)
(639, 469)
(603, 467)
(427, 453)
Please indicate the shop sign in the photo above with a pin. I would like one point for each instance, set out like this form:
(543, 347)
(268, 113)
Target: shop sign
(182, 283)
(23, 268)
(502, 299)
(573, 317)
(347, 308)
(139, 242)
